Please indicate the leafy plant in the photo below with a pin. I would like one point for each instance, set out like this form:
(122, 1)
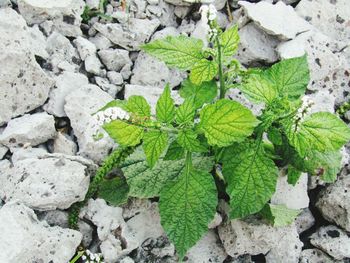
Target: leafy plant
(181, 148)
(89, 12)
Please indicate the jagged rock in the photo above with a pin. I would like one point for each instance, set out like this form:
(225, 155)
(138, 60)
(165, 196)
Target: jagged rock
(293, 197)
(168, 31)
(217, 220)
(64, 144)
(93, 65)
(334, 202)
(114, 59)
(65, 14)
(135, 206)
(80, 104)
(85, 47)
(101, 42)
(104, 84)
(323, 101)
(115, 78)
(330, 17)
(129, 36)
(3, 151)
(333, 241)
(27, 153)
(28, 129)
(315, 255)
(25, 239)
(286, 24)
(304, 220)
(256, 45)
(93, 3)
(46, 183)
(65, 83)
(178, 2)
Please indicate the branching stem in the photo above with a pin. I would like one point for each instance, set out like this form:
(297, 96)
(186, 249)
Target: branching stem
(221, 73)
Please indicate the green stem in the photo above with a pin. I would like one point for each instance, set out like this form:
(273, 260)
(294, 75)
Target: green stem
(188, 164)
(77, 256)
(221, 73)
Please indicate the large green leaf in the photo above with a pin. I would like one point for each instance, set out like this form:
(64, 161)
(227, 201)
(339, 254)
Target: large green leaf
(124, 133)
(147, 183)
(185, 112)
(225, 122)
(189, 141)
(165, 108)
(279, 215)
(174, 152)
(229, 41)
(139, 106)
(203, 93)
(186, 207)
(114, 191)
(154, 143)
(321, 131)
(204, 70)
(251, 178)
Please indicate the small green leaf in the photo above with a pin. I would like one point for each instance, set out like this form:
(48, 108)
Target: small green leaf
(165, 109)
(279, 215)
(114, 103)
(203, 93)
(188, 140)
(154, 143)
(123, 133)
(229, 41)
(175, 151)
(293, 175)
(114, 191)
(251, 178)
(204, 70)
(225, 122)
(274, 135)
(139, 106)
(185, 112)
(186, 207)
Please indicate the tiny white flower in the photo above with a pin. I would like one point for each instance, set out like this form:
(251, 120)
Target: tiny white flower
(88, 252)
(212, 12)
(83, 257)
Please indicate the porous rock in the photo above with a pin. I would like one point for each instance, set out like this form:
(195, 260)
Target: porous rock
(114, 59)
(314, 255)
(64, 144)
(304, 221)
(85, 47)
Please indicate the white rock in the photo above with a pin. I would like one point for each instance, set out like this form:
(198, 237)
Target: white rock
(126, 72)
(93, 65)
(64, 144)
(114, 59)
(3, 151)
(293, 197)
(216, 221)
(323, 101)
(167, 17)
(25, 239)
(80, 104)
(85, 47)
(100, 41)
(127, 260)
(286, 24)
(315, 255)
(27, 153)
(168, 31)
(93, 3)
(65, 83)
(182, 11)
(104, 84)
(65, 14)
(136, 206)
(47, 183)
(304, 220)
(28, 129)
(333, 241)
(115, 77)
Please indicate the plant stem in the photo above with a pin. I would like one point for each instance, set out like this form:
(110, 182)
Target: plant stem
(221, 74)
(188, 163)
(77, 256)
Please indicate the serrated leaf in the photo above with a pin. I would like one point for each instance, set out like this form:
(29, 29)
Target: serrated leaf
(321, 131)
(189, 141)
(274, 135)
(293, 175)
(114, 103)
(206, 92)
(154, 143)
(186, 206)
(225, 122)
(174, 152)
(124, 133)
(203, 70)
(185, 112)
(139, 106)
(147, 183)
(229, 41)
(165, 108)
(182, 52)
(114, 191)
(251, 178)
(279, 215)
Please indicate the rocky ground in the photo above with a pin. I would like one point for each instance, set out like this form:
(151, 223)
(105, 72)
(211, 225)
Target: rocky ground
(55, 71)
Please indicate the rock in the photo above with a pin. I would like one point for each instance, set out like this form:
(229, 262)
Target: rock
(65, 15)
(115, 78)
(27, 153)
(216, 221)
(333, 241)
(46, 183)
(256, 45)
(93, 65)
(166, 16)
(132, 35)
(65, 83)
(315, 255)
(104, 84)
(334, 202)
(207, 249)
(85, 47)
(293, 197)
(135, 206)
(182, 11)
(64, 144)
(323, 101)
(80, 104)
(3, 151)
(114, 59)
(178, 2)
(25, 239)
(304, 220)
(168, 31)
(28, 130)
(126, 72)
(101, 42)
(93, 3)
(286, 24)
(330, 17)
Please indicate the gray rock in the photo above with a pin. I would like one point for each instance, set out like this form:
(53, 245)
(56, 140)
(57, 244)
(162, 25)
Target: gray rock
(182, 11)
(217, 220)
(168, 31)
(100, 41)
(304, 221)
(85, 47)
(80, 104)
(27, 153)
(28, 130)
(126, 72)
(323, 101)
(46, 183)
(65, 15)
(315, 255)
(333, 241)
(115, 59)
(93, 3)
(93, 65)
(25, 239)
(65, 83)
(3, 151)
(64, 144)
(115, 78)
(104, 84)
(286, 24)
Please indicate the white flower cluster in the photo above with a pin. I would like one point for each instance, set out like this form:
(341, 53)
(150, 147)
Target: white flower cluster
(302, 111)
(208, 12)
(110, 114)
(90, 257)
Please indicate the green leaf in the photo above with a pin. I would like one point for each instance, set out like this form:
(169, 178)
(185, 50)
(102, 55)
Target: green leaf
(185, 112)
(204, 93)
(139, 106)
(279, 215)
(147, 183)
(188, 140)
(204, 70)
(123, 133)
(225, 122)
(114, 191)
(229, 41)
(274, 135)
(293, 175)
(165, 109)
(321, 131)
(154, 143)
(182, 52)
(175, 151)
(186, 207)
(114, 103)
(251, 178)
(290, 76)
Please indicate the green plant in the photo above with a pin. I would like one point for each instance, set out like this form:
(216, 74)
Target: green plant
(182, 150)
(89, 12)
